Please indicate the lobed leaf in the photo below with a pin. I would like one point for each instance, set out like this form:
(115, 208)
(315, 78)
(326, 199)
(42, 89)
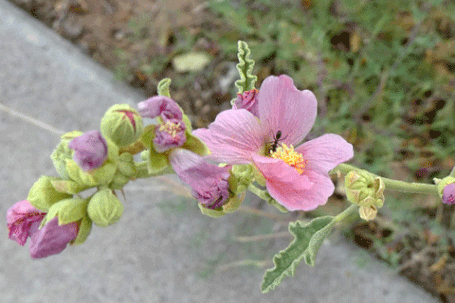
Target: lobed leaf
(308, 240)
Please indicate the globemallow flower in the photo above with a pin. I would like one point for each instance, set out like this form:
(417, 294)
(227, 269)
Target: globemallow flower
(248, 100)
(296, 178)
(448, 196)
(170, 132)
(23, 221)
(209, 182)
(90, 150)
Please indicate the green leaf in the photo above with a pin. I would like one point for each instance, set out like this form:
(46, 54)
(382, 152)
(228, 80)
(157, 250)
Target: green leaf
(245, 68)
(308, 240)
(163, 87)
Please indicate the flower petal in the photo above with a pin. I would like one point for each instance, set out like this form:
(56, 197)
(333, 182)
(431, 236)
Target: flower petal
(19, 218)
(51, 239)
(298, 198)
(232, 137)
(325, 152)
(282, 107)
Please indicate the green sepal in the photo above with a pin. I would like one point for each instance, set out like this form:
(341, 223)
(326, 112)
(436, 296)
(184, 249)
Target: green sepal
(148, 135)
(43, 194)
(308, 239)
(67, 210)
(99, 176)
(231, 206)
(104, 208)
(62, 153)
(156, 161)
(187, 122)
(245, 68)
(68, 186)
(163, 87)
(119, 181)
(126, 165)
(195, 145)
(243, 177)
(85, 227)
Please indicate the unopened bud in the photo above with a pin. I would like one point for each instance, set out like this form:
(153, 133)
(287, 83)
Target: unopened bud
(122, 125)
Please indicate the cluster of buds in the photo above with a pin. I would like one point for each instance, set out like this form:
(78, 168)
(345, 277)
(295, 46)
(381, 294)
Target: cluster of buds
(365, 190)
(53, 216)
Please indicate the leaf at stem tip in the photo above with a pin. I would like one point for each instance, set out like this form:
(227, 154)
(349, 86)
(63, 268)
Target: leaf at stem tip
(308, 239)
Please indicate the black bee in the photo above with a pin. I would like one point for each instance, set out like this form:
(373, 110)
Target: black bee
(276, 139)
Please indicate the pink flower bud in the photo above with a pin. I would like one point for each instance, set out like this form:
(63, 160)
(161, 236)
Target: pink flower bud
(90, 150)
(51, 239)
(248, 100)
(448, 196)
(160, 106)
(19, 218)
(209, 182)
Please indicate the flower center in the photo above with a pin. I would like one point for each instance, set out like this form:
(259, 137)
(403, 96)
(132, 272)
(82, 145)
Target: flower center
(290, 156)
(171, 128)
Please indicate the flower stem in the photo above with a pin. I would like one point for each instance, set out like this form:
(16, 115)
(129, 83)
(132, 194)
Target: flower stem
(395, 185)
(345, 213)
(143, 173)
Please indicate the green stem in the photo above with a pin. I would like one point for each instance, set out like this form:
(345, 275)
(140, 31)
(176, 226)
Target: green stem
(395, 185)
(143, 173)
(341, 216)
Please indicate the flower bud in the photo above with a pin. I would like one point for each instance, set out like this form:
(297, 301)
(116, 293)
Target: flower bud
(51, 239)
(209, 182)
(248, 100)
(161, 106)
(122, 125)
(104, 208)
(368, 213)
(446, 190)
(62, 153)
(90, 150)
(243, 176)
(364, 189)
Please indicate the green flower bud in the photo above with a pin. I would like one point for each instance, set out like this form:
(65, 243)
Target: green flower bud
(62, 153)
(363, 189)
(122, 124)
(368, 213)
(43, 194)
(243, 176)
(104, 208)
(67, 211)
(126, 171)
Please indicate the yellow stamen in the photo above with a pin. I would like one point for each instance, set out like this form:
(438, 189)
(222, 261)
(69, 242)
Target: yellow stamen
(290, 156)
(170, 127)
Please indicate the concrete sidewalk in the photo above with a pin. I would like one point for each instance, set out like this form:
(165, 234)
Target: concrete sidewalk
(162, 249)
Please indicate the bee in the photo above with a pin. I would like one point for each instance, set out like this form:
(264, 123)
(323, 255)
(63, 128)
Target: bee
(276, 139)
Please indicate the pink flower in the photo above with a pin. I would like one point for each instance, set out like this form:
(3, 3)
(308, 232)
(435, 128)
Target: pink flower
(296, 178)
(169, 134)
(248, 100)
(19, 218)
(90, 150)
(23, 221)
(160, 106)
(209, 182)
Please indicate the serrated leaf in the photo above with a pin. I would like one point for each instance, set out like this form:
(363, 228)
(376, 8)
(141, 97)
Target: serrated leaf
(308, 240)
(245, 68)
